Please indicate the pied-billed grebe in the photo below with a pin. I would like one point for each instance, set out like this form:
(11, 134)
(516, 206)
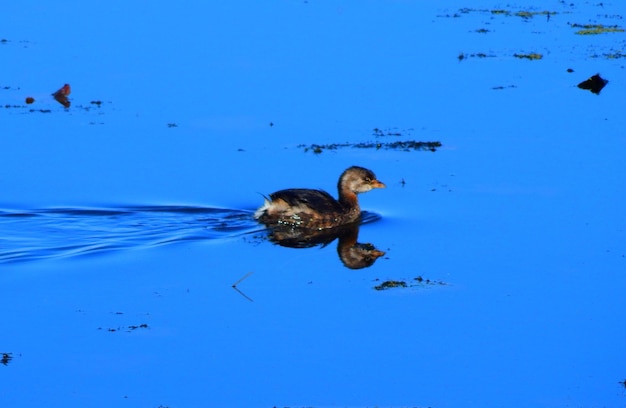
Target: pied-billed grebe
(297, 207)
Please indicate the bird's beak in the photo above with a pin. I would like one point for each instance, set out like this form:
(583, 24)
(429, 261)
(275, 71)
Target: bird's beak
(377, 184)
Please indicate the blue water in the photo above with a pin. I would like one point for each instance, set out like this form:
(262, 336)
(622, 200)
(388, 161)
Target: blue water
(509, 237)
(67, 232)
(64, 232)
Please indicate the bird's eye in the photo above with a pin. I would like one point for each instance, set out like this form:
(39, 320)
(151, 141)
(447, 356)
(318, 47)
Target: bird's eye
(368, 180)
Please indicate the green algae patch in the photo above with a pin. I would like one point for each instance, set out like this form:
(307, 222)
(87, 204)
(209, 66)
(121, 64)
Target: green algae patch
(595, 29)
(525, 14)
(614, 55)
(532, 56)
(594, 84)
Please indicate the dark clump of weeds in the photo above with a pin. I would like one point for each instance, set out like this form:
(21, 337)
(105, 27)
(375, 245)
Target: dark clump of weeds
(6, 358)
(610, 55)
(595, 29)
(390, 132)
(391, 284)
(127, 329)
(398, 145)
(524, 14)
(406, 145)
(501, 87)
(462, 56)
(416, 282)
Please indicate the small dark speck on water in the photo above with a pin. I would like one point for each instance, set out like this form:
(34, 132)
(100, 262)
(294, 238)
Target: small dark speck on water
(172, 125)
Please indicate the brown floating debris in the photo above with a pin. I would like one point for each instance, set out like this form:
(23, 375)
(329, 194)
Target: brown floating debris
(30, 100)
(594, 84)
(61, 95)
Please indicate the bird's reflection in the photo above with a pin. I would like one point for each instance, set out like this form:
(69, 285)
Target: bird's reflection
(61, 95)
(353, 255)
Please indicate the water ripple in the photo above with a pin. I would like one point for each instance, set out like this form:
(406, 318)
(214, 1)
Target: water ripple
(63, 232)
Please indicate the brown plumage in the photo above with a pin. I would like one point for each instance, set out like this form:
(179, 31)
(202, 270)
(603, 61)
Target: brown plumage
(305, 208)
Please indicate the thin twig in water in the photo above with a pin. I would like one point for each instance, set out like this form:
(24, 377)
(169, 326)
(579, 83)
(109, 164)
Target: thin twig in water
(243, 294)
(240, 280)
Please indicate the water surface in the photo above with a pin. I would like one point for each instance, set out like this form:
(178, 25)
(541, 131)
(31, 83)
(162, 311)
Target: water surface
(517, 217)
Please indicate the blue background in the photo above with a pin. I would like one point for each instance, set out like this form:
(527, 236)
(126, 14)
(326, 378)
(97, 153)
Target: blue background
(520, 213)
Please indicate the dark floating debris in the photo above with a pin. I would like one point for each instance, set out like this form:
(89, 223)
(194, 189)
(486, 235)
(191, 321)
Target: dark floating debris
(97, 103)
(594, 84)
(390, 132)
(61, 95)
(499, 88)
(172, 125)
(391, 284)
(570, 70)
(610, 55)
(29, 100)
(419, 281)
(141, 326)
(507, 13)
(595, 29)
(463, 56)
(128, 329)
(532, 56)
(399, 145)
(6, 358)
